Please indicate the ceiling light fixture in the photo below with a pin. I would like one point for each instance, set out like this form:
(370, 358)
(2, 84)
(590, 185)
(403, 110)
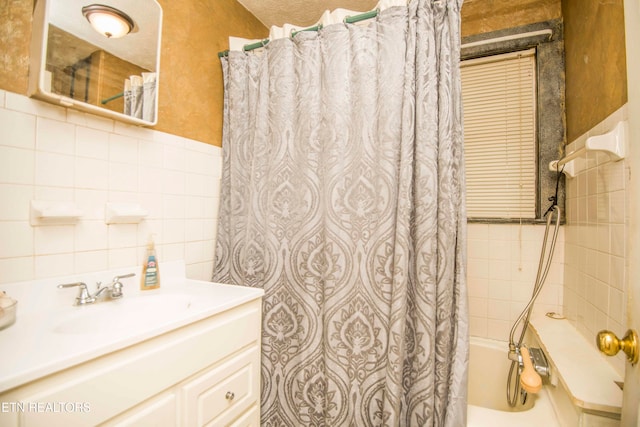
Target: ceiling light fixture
(108, 21)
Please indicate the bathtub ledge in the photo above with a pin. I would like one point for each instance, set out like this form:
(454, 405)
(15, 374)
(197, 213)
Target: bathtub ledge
(586, 376)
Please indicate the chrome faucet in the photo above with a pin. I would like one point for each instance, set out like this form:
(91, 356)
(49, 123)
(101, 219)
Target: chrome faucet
(114, 290)
(536, 355)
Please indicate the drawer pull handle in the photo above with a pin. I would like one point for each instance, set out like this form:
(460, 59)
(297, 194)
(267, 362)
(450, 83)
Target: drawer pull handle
(230, 395)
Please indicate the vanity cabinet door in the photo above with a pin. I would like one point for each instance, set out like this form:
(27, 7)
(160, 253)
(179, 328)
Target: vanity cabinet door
(160, 411)
(251, 418)
(224, 393)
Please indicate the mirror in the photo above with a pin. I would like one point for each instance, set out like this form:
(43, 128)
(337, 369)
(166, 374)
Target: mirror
(73, 65)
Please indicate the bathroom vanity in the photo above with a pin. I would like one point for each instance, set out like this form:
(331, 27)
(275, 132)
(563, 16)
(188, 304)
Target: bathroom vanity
(187, 354)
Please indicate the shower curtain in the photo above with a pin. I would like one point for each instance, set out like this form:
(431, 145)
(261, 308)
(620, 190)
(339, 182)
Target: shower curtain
(343, 198)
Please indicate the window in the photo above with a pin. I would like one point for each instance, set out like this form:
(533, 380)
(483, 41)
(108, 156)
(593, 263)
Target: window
(547, 79)
(499, 100)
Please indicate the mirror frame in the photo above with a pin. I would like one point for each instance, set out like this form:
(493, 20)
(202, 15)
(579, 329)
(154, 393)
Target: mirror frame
(38, 61)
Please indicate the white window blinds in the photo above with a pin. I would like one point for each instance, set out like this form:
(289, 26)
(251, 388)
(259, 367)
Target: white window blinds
(499, 101)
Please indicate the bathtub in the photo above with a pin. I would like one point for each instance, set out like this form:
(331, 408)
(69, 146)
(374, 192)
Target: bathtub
(487, 402)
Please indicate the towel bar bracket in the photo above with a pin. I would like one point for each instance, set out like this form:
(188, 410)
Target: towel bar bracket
(613, 143)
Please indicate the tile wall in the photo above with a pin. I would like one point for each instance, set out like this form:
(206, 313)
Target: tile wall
(595, 238)
(57, 154)
(587, 281)
(502, 268)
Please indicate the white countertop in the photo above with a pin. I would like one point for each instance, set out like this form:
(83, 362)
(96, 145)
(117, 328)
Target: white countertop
(44, 339)
(587, 376)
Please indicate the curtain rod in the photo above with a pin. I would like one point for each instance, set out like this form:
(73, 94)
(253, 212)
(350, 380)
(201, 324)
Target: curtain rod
(374, 13)
(107, 100)
(545, 32)
(347, 20)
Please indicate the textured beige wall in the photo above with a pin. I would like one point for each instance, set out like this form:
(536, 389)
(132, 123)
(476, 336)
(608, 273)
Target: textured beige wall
(595, 62)
(15, 36)
(194, 31)
(483, 16)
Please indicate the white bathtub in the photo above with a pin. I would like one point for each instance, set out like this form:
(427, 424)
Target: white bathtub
(488, 372)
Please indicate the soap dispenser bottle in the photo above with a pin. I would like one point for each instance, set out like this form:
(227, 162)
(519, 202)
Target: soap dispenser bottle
(150, 272)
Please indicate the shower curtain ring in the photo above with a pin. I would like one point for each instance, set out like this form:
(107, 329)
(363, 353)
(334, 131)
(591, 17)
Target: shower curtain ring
(362, 17)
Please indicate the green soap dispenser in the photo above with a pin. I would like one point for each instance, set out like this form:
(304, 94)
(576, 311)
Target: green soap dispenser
(150, 272)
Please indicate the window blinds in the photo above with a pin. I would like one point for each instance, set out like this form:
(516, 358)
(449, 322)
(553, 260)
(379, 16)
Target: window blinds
(499, 101)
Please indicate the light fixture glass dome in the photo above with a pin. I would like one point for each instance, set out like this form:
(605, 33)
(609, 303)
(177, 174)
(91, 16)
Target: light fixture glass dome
(108, 21)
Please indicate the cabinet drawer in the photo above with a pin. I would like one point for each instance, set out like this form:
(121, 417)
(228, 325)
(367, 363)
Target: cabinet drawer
(219, 396)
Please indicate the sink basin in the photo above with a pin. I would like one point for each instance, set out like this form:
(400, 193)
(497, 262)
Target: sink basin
(130, 312)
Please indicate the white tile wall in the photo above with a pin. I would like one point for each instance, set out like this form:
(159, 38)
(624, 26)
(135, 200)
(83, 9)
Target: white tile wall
(594, 280)
(502, 267)
(587, 282)
(52, 153)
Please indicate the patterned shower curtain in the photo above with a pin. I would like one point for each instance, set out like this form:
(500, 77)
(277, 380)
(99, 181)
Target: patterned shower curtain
(343, 198)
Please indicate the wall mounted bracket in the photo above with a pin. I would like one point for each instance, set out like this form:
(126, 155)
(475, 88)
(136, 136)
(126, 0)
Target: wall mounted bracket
(613, 143)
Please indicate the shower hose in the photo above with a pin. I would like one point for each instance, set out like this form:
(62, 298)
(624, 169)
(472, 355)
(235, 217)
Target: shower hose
(513, 387)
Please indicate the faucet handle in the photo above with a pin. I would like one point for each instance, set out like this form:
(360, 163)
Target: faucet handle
(116, 289)
(124, 276)
(83, 294)
(71, 285)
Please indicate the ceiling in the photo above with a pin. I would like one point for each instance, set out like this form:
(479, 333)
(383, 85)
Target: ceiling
(300, 12)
